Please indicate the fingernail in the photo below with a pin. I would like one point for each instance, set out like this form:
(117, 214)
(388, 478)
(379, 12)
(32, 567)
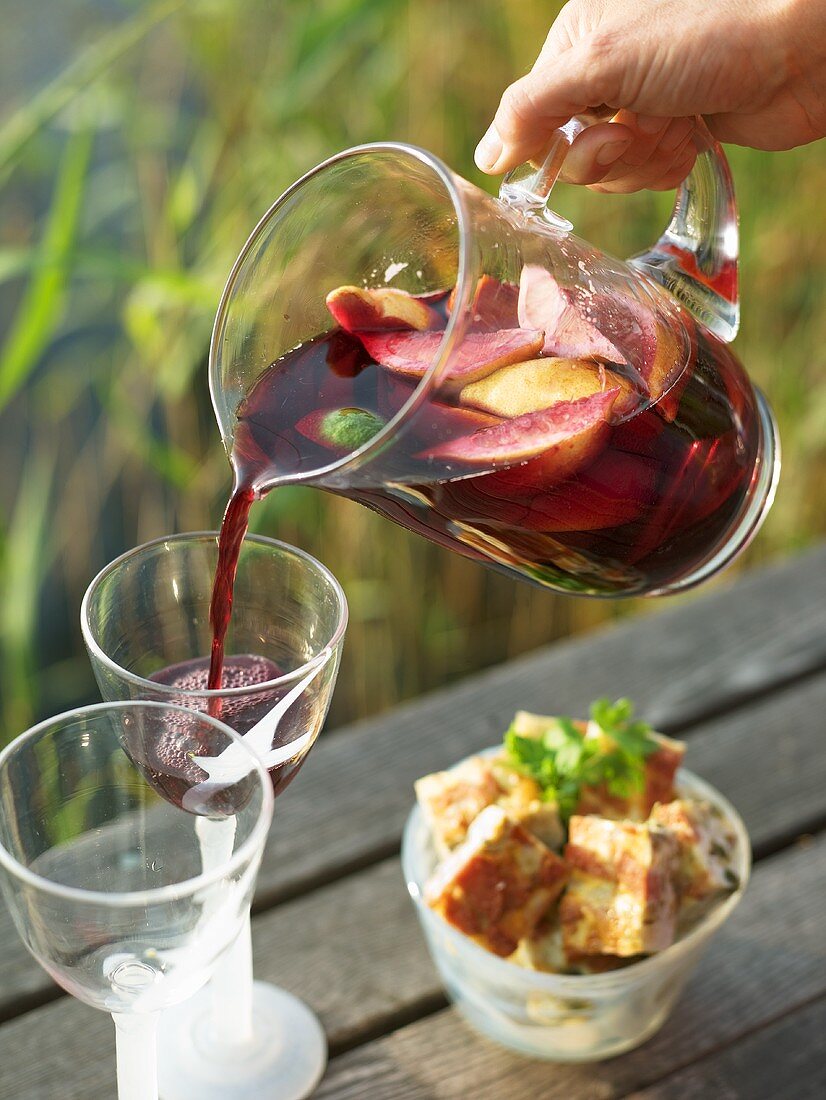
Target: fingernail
(650, 124)
(489, 150)
(610, 151)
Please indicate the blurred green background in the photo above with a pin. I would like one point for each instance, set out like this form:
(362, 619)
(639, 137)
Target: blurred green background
(139, 144)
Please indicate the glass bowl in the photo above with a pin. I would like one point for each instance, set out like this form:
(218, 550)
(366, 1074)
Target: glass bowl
(567, 1017)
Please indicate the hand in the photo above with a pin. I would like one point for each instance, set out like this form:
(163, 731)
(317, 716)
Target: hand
(755, 69)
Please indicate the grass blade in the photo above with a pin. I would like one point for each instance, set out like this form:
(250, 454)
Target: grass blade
(25, 559)
(42, 305)
(20, 127)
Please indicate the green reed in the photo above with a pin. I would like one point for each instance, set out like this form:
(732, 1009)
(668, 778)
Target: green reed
(130, 177)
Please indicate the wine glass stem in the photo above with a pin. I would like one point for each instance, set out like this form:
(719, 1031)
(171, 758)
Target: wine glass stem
(231, 991)
(231, 983)
(137, 1055)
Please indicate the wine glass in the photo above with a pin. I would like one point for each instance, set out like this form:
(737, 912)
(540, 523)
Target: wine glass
(126, 867)
(145, 621)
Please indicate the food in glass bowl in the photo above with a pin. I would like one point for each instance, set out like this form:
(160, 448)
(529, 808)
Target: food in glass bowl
(568, 879)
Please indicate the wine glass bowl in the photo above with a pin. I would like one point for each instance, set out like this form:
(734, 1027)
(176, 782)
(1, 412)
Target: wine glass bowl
(145, 621)
(105, 877)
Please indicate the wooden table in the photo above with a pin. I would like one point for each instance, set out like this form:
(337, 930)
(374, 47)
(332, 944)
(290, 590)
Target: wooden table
(740, 672)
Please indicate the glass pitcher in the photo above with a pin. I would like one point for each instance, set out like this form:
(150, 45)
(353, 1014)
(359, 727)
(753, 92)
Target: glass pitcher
(468, 367)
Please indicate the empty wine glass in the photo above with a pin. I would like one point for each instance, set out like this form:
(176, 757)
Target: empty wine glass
(145, 621)
(127, 868)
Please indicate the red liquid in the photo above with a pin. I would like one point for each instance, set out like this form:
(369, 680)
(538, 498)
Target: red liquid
(233, 529)
(659, 495)
(174, 772)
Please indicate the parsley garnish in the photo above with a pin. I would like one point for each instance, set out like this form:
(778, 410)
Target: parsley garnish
(562, 761)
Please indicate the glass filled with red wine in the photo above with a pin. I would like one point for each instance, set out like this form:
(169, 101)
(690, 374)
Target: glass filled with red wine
(149, 624)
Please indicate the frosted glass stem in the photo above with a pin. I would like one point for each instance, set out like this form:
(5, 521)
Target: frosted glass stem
(137, 1055)
(231, 983)
(232, 992)
(216, 837)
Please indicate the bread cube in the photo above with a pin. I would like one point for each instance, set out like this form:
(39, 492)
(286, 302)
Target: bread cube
(521, 799)
(498, 884)
(543, 950)
(660, 768)
(621, 899)
(451, 800)
(705, 844)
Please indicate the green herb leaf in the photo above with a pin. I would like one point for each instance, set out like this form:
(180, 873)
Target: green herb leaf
(562, 761)
(350, 428)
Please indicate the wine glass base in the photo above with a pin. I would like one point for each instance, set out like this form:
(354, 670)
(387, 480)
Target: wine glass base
(284, 1061)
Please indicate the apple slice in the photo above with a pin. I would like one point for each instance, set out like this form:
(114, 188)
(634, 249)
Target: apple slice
(342, 430)
(649, 338)
(494, 305)
(540, 383)
(346, 355)
(570, 431)
(410, 354)
(660, 364)
(360, 310)
(543, 304)
(614, 490)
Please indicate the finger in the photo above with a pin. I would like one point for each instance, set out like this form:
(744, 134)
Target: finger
(595, 151)
(540, 102)
(609, 151)
(649, 178)
(644, 165)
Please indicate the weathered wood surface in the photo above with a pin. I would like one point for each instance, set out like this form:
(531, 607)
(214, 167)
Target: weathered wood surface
(680, 665)
(778, 736)
(353, 949)
(768, 960)
(353, 952)
(752, 1070)
(715, 668)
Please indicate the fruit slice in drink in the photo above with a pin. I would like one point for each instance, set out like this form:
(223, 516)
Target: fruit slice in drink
(567, 435)
(494, 305)
(342, 430)
(410, 354)
(360, 310)
(614, 490)
(539, 383)
(346, 355)
(569, 334)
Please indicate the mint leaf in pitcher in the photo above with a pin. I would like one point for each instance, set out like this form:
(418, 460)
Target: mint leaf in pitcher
(342, 429)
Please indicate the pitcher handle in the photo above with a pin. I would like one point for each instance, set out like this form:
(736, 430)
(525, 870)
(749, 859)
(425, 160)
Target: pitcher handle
(696, 258)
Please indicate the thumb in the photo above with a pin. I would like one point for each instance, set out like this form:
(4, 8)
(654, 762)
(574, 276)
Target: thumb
(543, 100)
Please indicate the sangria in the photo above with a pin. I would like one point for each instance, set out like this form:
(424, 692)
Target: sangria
(468, 367)
(589, 453)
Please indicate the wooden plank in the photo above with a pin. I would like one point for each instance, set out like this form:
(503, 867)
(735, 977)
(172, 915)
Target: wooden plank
(348, 946)
(354, 952)
(355, 788)
(680, 666)
(786, 1059)
(323, 947)
(765, 757)
(766, 962)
